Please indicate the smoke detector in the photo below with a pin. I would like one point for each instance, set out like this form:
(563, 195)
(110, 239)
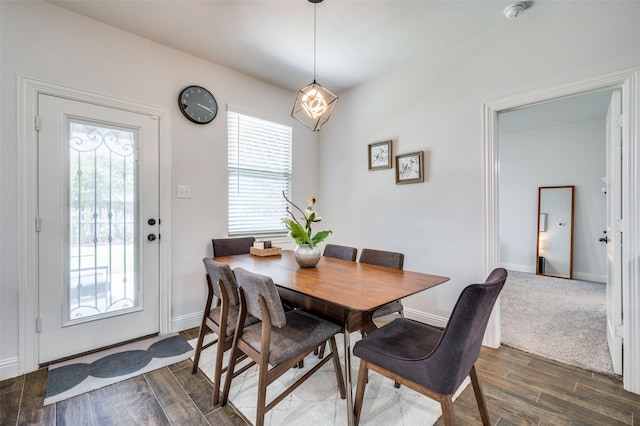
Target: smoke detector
(514, 10)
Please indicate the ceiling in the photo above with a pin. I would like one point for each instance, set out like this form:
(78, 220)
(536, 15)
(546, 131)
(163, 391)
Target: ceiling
(272, 40)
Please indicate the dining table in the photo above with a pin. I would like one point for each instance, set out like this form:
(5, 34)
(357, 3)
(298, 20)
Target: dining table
(342, 291)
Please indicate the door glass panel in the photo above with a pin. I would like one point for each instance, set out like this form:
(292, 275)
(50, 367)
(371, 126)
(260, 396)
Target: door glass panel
(102, 221)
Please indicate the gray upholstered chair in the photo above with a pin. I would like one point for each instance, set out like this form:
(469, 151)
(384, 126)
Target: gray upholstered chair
(389, 259)
(221, 319)
(281, 340)
(340, 252)
(232, 246)
(337, 252)
(432, 360)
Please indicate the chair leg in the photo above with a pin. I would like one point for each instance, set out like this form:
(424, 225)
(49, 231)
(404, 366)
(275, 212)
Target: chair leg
(196, 356)
(447, 410)
(217, 372)
(337, 368)
(321, 350)
(262, 394)
(363, 375)
(233, 358)
(477, 390)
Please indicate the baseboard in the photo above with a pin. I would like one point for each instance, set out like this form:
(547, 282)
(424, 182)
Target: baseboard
(582, 276)
(519, 268)
(184, 322)
(586, 276)
(9, 368)
(425, 317)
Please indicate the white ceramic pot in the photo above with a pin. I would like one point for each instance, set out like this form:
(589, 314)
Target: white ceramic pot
(306, 256)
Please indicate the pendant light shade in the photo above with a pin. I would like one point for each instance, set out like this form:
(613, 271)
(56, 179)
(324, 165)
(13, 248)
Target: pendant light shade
(314, 104)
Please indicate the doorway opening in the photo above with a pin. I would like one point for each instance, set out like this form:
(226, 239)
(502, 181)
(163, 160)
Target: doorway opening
(627, 81)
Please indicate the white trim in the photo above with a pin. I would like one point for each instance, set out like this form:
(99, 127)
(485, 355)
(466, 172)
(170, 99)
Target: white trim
(628, 79)
(519, 268)
(586, 276)
(583, 276)
(28, 91)
(9, 368)
(184, 322)
(425, 317)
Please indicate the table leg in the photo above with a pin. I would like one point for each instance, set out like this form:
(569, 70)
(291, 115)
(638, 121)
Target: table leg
(347, 372)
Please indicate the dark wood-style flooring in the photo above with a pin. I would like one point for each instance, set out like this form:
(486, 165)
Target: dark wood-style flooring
(520, 388)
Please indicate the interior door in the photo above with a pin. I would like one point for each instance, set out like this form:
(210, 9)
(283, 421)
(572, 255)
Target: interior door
(614, 234)
(98, 254)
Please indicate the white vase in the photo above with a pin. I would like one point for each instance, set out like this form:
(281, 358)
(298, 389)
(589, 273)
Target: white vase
(306, 256)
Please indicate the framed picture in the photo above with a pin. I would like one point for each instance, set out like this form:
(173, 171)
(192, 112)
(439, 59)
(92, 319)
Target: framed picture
(410, 168)
(380, 155)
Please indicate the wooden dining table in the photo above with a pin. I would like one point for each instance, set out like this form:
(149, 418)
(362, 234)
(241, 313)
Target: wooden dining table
(342, 291)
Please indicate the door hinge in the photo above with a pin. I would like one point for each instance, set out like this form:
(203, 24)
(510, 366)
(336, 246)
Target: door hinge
(619, 121)
(619, 330)
(36, 123)
(38, 325)
(618, 225)
(38, 224)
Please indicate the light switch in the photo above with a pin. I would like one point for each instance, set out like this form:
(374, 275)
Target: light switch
(184, 191)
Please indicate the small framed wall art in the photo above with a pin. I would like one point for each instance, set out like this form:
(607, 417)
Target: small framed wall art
(380, 155)
(410, 168)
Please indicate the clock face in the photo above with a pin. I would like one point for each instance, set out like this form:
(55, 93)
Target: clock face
(198, 104)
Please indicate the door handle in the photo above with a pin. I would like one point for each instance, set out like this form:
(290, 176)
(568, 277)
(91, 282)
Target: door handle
(151, 237)
(604, 239)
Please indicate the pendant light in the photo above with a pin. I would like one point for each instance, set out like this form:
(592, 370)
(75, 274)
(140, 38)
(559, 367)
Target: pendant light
(314, 104)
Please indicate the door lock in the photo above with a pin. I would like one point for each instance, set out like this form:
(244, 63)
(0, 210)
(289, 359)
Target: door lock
(151, 221)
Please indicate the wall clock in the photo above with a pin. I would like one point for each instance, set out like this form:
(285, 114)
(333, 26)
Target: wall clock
(198, 104)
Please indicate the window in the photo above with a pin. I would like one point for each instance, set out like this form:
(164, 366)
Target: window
(259, 164)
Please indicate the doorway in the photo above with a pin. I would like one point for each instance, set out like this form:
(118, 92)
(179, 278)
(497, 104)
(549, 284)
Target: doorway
(627, 80)
(97, 204)
(30, 124)
(561, 142)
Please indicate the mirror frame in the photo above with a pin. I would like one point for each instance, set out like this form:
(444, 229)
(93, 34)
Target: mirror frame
(542, 223)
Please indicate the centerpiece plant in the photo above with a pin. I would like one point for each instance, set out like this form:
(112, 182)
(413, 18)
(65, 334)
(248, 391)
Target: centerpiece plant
(300, 227)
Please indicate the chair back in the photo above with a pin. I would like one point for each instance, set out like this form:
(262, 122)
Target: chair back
(389, 259)
(340, 252)
(459, 346)
(256, 285)
(221, 271)
(232, 246)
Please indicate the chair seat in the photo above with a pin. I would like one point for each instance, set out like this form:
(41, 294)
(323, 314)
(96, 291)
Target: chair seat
(395, 344)
(232, 318)
(302, 331)
(390, 308)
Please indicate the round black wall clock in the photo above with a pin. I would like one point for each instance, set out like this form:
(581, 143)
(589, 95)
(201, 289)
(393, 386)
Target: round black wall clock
(198, 104)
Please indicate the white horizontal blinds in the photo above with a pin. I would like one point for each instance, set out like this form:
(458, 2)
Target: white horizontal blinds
(259, 167)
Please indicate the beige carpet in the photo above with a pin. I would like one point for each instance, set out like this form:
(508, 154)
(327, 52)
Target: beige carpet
(317, 401)
(563, 320)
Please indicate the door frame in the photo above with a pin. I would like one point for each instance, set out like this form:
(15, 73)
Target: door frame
(28, 91)
(628, 81)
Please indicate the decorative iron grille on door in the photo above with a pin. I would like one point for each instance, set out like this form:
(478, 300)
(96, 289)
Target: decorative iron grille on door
(102, 220)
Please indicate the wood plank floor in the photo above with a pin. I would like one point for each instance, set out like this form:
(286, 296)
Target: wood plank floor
(521, 389)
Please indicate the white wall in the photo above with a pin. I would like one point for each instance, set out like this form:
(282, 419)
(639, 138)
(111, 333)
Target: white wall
(571, 154)
(44, 42)
(436, 105)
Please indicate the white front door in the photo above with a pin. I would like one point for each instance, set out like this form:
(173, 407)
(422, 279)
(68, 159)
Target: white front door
(614, 235)
(98, 227)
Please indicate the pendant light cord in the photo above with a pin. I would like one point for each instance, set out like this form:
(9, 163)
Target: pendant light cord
(314, 40)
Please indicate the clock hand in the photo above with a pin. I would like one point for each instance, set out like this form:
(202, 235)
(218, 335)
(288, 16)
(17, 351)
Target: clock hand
(206, 108)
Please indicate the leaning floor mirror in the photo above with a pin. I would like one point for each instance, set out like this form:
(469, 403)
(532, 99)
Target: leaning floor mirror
(555, 231)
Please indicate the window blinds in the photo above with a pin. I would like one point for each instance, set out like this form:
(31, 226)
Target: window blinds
(259, 165)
